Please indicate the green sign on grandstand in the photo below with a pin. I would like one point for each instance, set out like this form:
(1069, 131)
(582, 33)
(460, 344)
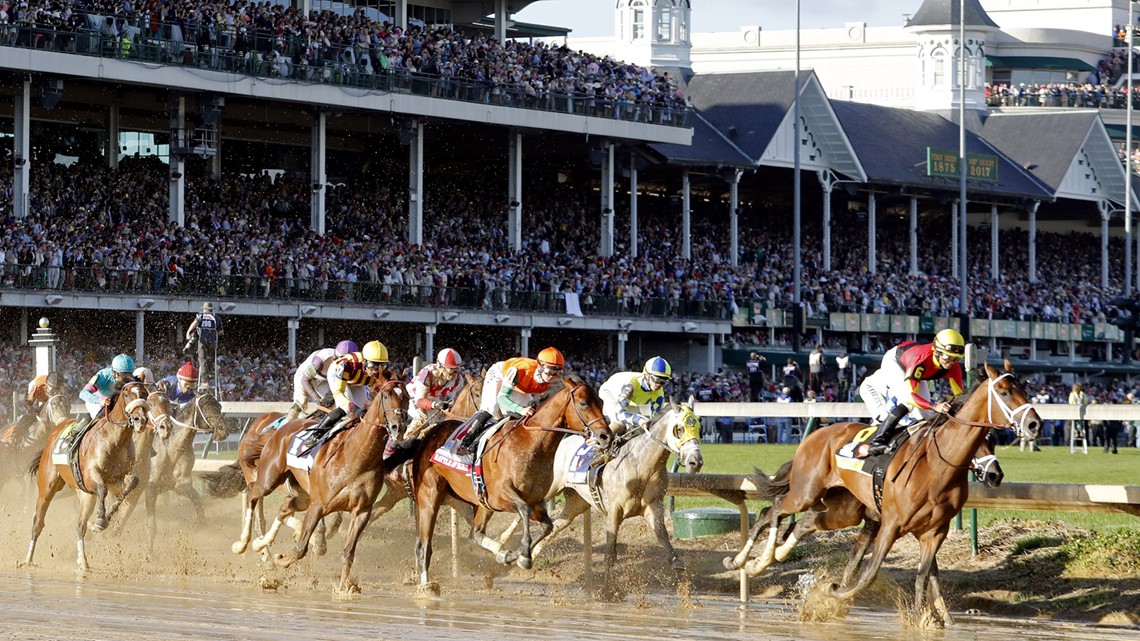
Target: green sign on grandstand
(944, 163)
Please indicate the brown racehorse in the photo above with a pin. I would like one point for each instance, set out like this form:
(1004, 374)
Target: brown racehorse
(517, 467)
(106, 459)
(396, 487)
(171, 469)
(29, 433)
(347, 474)
(926, 485)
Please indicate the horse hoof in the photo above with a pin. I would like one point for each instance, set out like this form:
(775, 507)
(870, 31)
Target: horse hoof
(238, 547)
(730, 563)
(99, 524)
(320, 548)
(427, 589)
(283, 561)
(524, 562)
(350, 589)
(259, 544)
(506, 557)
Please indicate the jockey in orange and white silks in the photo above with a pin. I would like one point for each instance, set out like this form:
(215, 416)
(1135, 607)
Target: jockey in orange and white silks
(310, 381)
(434, 388)
(899, 389)
(510, 388)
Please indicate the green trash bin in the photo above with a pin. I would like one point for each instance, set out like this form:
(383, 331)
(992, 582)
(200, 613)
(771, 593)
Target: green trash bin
(707, 521)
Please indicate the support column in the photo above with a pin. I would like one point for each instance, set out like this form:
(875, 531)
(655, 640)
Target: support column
(734, 218)
(140, 335)
(293, 324)
(502, 20)
(1105, 212)
(633, 205)
(827, 184)
(400, 8)
(995, 272)
(321, 335)
(954, 238)
(710, 353)
(113, 148)
(429, 343)
(686, 223)
(622, 339)
(606, 244)
(872, 251)
(913, 235)
(180, 139)
(514, 189)
(524, 341)
(22, 149)
(416, 185)
(317, 174)
(1033, 241)
(216, 159)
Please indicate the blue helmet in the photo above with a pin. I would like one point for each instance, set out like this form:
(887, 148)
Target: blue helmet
(123, 364)
(658, 367)
(346, 347)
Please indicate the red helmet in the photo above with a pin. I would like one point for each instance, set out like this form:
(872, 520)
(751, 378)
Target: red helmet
(188, 372)
(552, 357)
(449, 358)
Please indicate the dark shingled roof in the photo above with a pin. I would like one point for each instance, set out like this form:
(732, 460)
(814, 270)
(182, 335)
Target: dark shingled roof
(1048, 140)
(709, 147)
(934, 13)
(891, 143)
(754, 103)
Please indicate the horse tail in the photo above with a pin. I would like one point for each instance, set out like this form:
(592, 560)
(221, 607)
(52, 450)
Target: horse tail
(771, 487)
(224, 483)
(34, 464)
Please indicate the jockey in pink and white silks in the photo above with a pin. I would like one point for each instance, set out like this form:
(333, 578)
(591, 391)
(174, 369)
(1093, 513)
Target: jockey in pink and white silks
(434, 388)
(310, 381)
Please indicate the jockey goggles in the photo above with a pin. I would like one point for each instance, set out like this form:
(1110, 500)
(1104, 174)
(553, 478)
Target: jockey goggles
(548, 371)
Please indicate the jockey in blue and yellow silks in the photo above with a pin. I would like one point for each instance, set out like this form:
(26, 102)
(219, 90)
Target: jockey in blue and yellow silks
(635, 399)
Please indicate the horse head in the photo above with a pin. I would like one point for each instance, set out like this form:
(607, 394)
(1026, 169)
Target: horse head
(683, 434)
(389, 406)
(56, 410)
(1007, 397)
(208, 410)
(132, 406)
(581, 411)
(158, 413)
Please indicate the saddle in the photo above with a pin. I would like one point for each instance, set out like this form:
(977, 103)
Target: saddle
(875, 465)
(66, 450)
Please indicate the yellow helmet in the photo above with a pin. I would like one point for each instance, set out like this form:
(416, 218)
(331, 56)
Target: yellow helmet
(375, 352)
(949, 341)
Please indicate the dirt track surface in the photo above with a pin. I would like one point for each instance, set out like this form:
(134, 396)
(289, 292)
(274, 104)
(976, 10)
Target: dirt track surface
(192, 587)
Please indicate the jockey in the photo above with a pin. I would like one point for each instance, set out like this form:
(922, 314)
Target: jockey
(310, 381)
(180, 387)
(102, 387)
(434, 388)
(510, 388)
(900, 387)
(40, 389)
(350, 378)
(635, 399)
(144, 375)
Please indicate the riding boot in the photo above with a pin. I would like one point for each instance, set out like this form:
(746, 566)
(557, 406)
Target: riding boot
(315, 433)
(882, 438)
(478, 424)
(294, 412)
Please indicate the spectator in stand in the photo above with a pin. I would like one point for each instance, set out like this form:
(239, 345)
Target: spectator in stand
(755, 367)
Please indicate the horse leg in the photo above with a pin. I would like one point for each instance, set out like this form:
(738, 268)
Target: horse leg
(288, 507)
(862, 542)
(360, 520)
(884, 541)
(100, 522)
(150, 497)
(768, 554)
(305, 531)
(537, 513)
(129, 484)
(762, 523)
(429, 496)
(249, 507)
(186, 489)
(87, 504)
(478, 536)
(574, 506)
(613, 523)
(48, 490)
(393, 494)
(929, 542)
(655, 515)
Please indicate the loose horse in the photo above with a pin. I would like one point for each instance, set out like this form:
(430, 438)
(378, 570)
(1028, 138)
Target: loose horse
(634, 483)
(106, 459)
(926, 485)
(517, 469)
(171, 469)
(346, 476)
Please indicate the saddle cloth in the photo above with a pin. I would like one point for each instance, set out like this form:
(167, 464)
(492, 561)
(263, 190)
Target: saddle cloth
(65, 450)
(300, 458)
(445, 454)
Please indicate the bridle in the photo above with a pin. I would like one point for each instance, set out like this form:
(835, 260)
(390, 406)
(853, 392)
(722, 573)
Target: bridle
(131, 419)
(197, 413)
(1015, 417)
(570, 392)
(401, 415)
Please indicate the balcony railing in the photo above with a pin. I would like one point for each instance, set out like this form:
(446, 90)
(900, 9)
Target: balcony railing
(289, 58)
(316, 289)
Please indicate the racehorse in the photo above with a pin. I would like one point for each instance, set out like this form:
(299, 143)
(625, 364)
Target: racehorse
(106, 459)
(633, 483)
(396, 486)
(346, 475)
(517, 468)
(171, 469)
(926, 485)
(29, 435)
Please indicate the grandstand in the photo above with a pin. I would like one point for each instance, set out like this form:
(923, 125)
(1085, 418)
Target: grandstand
(326, 176)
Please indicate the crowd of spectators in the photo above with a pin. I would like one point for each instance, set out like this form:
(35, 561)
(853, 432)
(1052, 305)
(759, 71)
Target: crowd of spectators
(270, 39)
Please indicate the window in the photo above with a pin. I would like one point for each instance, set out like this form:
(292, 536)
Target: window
(638, 20)
(938, 68)
(664, 21)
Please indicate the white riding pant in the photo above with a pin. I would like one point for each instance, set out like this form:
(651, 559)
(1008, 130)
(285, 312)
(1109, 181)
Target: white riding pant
(319, 385)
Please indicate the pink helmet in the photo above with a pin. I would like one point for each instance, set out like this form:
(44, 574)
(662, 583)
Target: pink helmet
(449, 358)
